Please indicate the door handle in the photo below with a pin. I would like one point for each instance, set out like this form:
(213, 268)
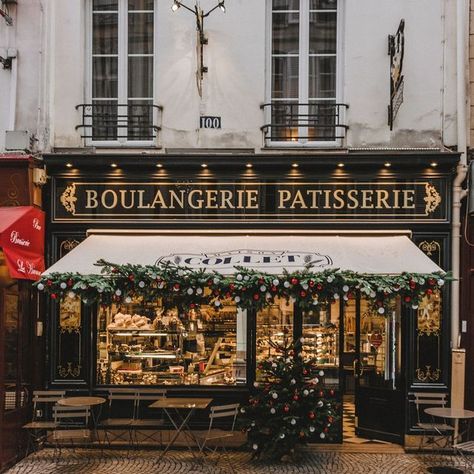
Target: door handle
(354, 367)
(361, 369)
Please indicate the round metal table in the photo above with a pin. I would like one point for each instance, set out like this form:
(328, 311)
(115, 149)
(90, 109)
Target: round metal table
(455, 414)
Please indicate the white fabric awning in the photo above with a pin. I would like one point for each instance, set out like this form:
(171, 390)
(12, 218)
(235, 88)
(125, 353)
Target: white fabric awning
(376, 253)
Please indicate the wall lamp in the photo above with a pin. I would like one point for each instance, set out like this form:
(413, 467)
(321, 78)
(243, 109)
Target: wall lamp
(200, 15)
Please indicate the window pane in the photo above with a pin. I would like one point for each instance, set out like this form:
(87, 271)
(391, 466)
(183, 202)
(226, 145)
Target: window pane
(105, 33)
(140, 77)
(322, 77)
(284, 121)
(286, 4)
(104, 77)
(285, 78)
(109, 5)
(321, 121)
(140, 33)
(140, 4)
(140, 120)
(322, 33)
(285, 33)
(104, 120)
(323, 5)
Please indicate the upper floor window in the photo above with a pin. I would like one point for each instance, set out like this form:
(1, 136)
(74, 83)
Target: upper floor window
(121, 71)
(303, 83)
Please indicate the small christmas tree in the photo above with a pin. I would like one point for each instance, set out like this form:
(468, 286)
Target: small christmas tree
(288, 408)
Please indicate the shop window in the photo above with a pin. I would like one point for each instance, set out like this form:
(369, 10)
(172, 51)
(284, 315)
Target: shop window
(144, 343)
(121, 65)
(428, 339)
(303, 104)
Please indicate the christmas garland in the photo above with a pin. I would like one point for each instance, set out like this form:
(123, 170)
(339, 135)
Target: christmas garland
(185, 288)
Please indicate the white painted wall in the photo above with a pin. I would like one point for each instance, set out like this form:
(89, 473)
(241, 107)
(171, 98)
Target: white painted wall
(234, 87)
(24, 110)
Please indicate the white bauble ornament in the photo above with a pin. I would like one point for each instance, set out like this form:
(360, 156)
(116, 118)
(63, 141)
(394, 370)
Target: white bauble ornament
(330, 279)
(71, 294)
(180, 272)
(440, 282)
(217, 303)
(282, 436)
(40, 286)
(345, 288)
(302, 340)
(237, 299)
(63, 286)
(336, 296)
(272, 411)
(322, 435)
(254, 447)
(274, 365)
(100, 290)
(320, 404)
(199, 291)
(286, 284)
(345, 298)
(293, 421)
(316, 380)
(372, 294)
(153, 276)
(253, 423)
(275, 395)
(321, 373)
(215, 281)
(263, 288)
(305, 286)
(128, 299)
(256, 384)
(239, 277)
(242, 410)
(292, 381)
(141, 284)
(315, 302)
(246, 278)
(305, 392)
(118, 292)
(381, 310)
(312, 429)
(189, 291)
(275, 282)
(415, 306)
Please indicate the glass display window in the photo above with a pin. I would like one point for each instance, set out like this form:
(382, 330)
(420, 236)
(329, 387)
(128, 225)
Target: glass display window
(146, 344)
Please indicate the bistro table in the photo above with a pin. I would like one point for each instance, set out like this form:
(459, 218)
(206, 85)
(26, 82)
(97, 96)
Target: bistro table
(84, 402)
(455, 414)
(172, 406)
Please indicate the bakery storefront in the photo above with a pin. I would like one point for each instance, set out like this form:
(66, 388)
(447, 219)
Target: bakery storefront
(165, 272)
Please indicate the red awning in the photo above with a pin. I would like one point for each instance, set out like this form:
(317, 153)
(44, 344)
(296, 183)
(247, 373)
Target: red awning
(22, 241)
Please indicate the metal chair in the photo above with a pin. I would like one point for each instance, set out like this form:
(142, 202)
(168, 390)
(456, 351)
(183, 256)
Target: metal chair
(71, 423)
(146, 427)
(439, 435)
(115, 426)
(465, 449)
(216, 436)
(41, 420)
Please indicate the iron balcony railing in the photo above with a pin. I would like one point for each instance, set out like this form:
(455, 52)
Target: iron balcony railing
(110, 121)
(303, 122)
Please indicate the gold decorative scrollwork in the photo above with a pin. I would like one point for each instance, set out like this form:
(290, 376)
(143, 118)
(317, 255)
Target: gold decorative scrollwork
(429, 315)
(432, 198)
(429, 247)
(67, 245)
(68, 199)
(428, 374)
(69, 370)
(70, 315)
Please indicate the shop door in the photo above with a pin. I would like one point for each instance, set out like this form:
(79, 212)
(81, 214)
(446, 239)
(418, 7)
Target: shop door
(377, 364)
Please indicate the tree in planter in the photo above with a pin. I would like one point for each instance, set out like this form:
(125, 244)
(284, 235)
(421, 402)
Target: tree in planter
(289, 407)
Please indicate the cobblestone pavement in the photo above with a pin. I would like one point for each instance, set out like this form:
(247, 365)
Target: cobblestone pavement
(143, 462)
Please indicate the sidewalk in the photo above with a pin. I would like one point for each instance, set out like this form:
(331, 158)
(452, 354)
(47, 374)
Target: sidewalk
(141, 462)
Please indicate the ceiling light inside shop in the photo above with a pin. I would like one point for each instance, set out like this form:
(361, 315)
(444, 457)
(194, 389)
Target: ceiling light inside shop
(69, 165)
(114, 165)
(159, 165)
(295, 165)
(434, 164)
(249, 165)
(387, 164)
(340, 165)
(204, 165)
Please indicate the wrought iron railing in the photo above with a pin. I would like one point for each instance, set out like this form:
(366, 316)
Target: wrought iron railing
(303, 122)
(110, 121)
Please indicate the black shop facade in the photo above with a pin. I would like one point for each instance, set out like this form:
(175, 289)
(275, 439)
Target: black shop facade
(271, 213)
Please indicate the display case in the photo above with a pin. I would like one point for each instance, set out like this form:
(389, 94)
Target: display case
(146, 344)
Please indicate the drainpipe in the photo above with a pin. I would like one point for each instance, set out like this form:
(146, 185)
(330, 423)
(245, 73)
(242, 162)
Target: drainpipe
(462, 81)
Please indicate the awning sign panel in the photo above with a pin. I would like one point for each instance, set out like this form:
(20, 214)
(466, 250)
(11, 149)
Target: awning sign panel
(22, 241)
(384, 200)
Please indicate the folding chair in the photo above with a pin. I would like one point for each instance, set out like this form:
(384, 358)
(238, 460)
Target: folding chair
(41, 420)
(141, 425)
(121, 400)
(216, 436)
(71, 423)
(464, 450)
(439, 435)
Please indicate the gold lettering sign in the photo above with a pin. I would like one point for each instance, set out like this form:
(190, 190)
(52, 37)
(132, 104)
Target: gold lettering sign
(230, 200)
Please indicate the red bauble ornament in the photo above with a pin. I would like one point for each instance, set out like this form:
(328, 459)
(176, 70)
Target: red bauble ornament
(331, 392)
(379, 303)
(431, 282)
(261, 281)
(311, 283)
(274, 289)
(321, 393)
(54, 296)
(70, 282)
(305, 372)
(209, 282)
(231, 287)
(303, 294)
(192, 305)
(330, 419)
(407, 299)
(114, 270)
(131, 277)
(256, 296)
(319, 286)
(296, 398)
(429, 291)
(286, 408)
(49, 282)
(176, 286)
(350, 295)
(311, 415)
(412, 284)
(294, 281)
(326, 429)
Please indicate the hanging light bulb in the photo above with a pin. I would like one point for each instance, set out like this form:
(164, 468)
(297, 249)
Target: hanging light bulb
(222, 6)
(175, 5)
